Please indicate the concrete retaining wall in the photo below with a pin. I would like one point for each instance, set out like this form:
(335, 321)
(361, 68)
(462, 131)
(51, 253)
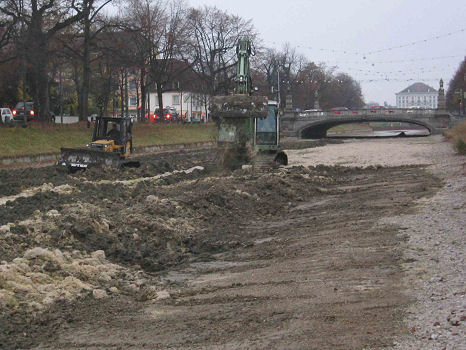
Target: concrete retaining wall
(66, 119)
(53, 157)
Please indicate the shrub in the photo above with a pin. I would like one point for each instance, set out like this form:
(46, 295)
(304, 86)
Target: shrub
(461, 146)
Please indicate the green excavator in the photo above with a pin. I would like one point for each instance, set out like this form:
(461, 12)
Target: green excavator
(248, 125)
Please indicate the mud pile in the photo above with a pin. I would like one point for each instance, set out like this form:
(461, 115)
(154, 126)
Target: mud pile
(42, 276)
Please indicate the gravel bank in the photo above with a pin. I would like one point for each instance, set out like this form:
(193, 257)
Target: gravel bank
(435, 259)
(357, 153)
(434, 253)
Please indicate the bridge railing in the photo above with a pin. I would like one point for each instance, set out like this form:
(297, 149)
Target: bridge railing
(367, 112)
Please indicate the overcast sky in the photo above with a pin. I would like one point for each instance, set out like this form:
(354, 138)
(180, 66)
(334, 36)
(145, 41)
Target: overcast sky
(345, 33)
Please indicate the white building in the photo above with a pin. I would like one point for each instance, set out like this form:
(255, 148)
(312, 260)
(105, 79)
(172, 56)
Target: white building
(183, 92)
(417, 95)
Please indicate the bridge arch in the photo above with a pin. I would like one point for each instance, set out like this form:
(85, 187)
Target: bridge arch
(319, 128)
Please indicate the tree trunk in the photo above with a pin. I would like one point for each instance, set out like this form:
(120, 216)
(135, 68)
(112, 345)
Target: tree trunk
(160, 99)
(38, 61)
(142, 110)
(84, 100)
(122, 93)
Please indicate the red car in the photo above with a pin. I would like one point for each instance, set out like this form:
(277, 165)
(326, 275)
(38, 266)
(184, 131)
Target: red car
(338, 110)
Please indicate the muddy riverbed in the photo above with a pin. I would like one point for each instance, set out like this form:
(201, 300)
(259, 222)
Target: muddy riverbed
(177, 255)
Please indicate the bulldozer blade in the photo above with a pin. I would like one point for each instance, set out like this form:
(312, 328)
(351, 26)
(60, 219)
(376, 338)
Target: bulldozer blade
(82, 158)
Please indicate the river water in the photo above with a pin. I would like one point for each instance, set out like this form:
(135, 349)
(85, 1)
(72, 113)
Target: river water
(379, 133)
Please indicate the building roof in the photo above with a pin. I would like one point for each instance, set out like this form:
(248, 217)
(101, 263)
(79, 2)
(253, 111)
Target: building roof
(418, 88)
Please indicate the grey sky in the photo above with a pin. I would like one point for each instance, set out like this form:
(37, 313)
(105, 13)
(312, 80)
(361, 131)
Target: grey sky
(359, 27)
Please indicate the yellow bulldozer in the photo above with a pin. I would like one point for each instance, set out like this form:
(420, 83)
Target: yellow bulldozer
(111, 145)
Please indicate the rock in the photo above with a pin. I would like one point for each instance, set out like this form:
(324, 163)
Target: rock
(104, 277)
(114, 290)
(72, 283)
(37, 252)
(152, 199)
(4, 229)
(99, 294)
(162, 295)
(53, 213)
(434, 336)
(99, 255)
(51, 266)
(133, 288)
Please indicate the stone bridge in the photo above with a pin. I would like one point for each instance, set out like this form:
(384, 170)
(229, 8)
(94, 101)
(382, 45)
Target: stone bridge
(316, 124)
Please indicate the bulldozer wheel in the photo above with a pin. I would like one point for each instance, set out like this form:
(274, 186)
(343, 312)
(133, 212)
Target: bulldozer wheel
(281, 158)
(73, 170)
(131, 164)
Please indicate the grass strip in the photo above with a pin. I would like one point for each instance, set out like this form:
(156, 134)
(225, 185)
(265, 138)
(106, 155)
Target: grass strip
(40, 138)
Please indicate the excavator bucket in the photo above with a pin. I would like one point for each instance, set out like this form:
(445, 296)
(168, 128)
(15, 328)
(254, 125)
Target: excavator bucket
(82, 158)
(239, 106)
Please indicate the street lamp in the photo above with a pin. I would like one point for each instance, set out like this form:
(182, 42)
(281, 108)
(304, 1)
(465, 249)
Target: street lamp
(278, 84)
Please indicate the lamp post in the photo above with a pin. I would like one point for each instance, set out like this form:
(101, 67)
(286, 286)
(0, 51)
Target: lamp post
(278, 84)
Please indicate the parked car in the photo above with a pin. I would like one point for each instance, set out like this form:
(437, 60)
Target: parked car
(170, 115)
(338, 110)
(19, 111)
(414, 109)
(306, 112)
(5, 115)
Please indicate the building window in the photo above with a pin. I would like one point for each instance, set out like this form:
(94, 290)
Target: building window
(175, 99)
(133, 85)
(133, 101)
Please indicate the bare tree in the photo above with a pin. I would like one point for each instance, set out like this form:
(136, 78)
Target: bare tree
(42, 20)
(214, 35)
(281, 68)
(159, 32)
(142, 20)
(456, 86)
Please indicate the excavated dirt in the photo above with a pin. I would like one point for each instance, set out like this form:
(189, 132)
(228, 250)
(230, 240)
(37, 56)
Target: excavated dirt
(13, 181)
(294, 258)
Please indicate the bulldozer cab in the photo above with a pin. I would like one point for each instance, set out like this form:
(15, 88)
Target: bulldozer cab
(109, 128)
